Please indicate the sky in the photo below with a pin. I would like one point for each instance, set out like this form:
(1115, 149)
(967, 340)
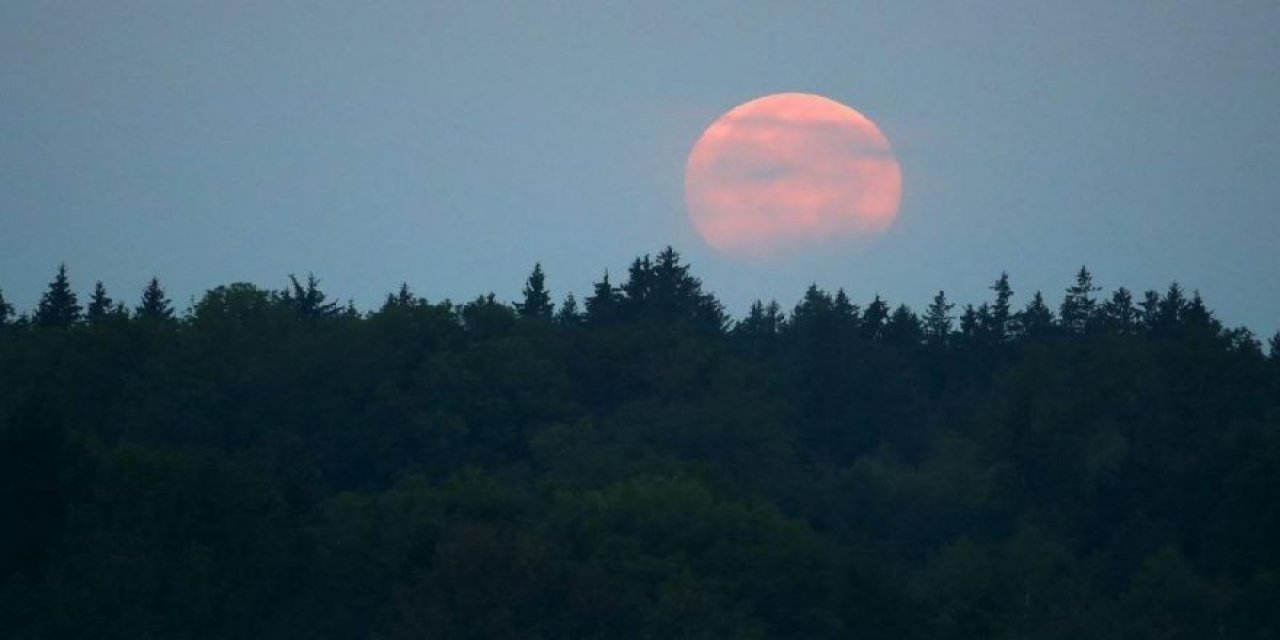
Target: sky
(453, 145)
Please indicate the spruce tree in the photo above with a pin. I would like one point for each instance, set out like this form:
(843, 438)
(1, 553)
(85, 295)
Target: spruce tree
(937, 320)
(874, 319)
(568, 314)
(537, 301)
(1119, 313)
(155, 304)
(401, 299)
(602, 304)
(100, 304)
(58, 307)
(1077, 310)
(969, 323)
(903, 328)
(1172, 305)
(1150, 307)
(6, 310)
(999, 329)
(308, 302)
(1036, 320)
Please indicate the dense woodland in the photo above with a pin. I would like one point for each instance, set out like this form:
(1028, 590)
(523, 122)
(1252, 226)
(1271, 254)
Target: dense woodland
(275, 464)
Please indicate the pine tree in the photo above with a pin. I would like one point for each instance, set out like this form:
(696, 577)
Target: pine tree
(58, 307)
(537, 301)
(401, 299)
(155, 305)
(1036, 320)
(762, 320)
(1078, 307)
(999, 330)
(568, 314)
(101, 306)
(309, 302)
(1119, 313)
(969, 323)
(6, 310)
(937, 320)
(873, 320)
(1274, 345)
(602, 305)
(903, 328)
(1150, 306)
(1171, 307)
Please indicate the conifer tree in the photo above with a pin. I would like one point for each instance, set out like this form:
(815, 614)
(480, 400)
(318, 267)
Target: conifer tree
(537, 301)
(903, 328)
(761, 320)
(1150, 307)
(1274, 346)
(999, 330)
(309, 302)
(155, 305)
(847, 313)
(1171, 307)
(969, 323)
(58, 307)
(1036, 320)
(1077, 310)
(6, 310)
(873, 320)
(1119, 313)
(401, 299)
(100, 304)
(602, 304)
(937, 320)
(568, 314)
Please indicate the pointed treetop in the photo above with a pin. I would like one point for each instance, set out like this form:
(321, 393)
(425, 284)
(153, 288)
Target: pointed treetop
(58, 307)
(537, 300)
(6, 310)
(1037, 318)
(308, 302)
(937, 319)
(155, 304)
(100, 304)
(568, 315)
(1078, 307)
(602, 304)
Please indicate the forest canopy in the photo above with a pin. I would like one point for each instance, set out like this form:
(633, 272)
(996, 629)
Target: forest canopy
(636, 464)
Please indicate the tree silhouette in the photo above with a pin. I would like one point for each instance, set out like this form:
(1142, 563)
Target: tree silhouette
(1000, 310)
(1036, 320)
(1077, 310)
(6, 310)
(938, 320)
(537, 300)
(1119, 313)
(568, 315)
(604, 302)
(874, 318)
(308, 302)
(101, 306)
(155, 305)
(58, 307)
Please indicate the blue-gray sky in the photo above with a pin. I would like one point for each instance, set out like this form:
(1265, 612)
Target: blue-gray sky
(452, 145)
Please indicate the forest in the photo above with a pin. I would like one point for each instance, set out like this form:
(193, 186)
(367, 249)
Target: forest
(275, 463)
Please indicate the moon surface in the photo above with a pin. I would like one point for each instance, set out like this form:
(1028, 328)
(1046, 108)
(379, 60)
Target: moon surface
(788, 171)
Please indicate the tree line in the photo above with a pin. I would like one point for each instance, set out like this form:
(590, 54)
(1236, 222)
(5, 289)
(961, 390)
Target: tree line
(275, 463)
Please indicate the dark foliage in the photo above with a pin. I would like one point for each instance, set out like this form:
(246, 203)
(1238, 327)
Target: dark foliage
(268, 464)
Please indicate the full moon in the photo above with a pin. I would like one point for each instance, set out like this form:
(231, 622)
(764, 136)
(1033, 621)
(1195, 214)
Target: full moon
(789, 171)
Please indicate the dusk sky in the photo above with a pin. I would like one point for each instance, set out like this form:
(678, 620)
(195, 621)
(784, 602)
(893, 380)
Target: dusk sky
(453, 145)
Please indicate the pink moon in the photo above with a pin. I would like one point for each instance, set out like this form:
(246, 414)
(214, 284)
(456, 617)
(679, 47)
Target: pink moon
(789, 171)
